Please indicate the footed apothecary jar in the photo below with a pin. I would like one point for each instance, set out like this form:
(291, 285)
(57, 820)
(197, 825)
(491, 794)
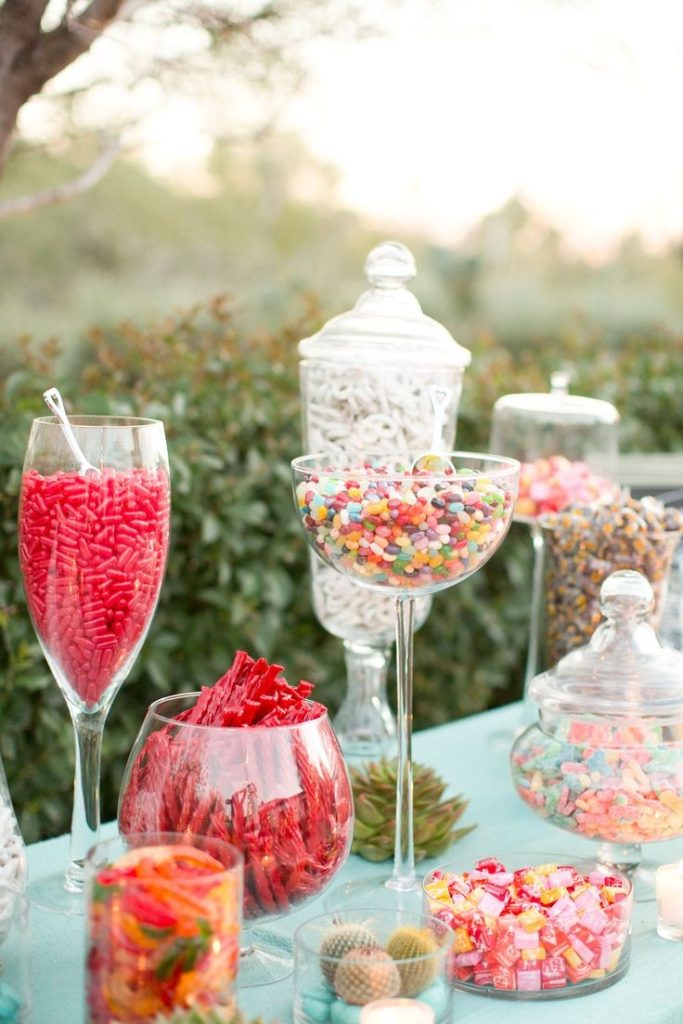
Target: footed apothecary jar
(368, 380)
(605, 758)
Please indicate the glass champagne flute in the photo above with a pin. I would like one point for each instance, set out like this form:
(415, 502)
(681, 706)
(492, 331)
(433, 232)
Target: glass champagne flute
(93, 542)
(391, 526)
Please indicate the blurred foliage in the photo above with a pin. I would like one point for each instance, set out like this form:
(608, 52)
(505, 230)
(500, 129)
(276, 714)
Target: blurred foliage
(263, 225)
(237, 574)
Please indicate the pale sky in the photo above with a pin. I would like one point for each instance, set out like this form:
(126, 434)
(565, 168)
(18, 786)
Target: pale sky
(573, 104)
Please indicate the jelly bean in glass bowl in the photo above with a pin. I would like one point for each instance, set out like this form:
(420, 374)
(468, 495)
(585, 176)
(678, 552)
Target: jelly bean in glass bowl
(392, 527)
(604, 760)
(532, 925)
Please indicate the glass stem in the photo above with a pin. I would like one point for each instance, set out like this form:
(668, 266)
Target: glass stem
(403, 876)
(85, 820)
(532, 666)
(364, 723)
(623, 856)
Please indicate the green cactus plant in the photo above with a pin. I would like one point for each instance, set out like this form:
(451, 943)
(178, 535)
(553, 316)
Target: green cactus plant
(366, 974)
(408, 944)
(338, 941)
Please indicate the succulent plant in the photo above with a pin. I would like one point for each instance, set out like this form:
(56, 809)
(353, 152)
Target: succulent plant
(407, 943)
(366, 974)
(374, 797)
(339, 940)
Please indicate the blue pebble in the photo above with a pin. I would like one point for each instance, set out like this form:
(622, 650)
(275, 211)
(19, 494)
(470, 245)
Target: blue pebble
(321, 993)
(344, 1013)
(436, 996)
(10, 1005)
(315, 1005)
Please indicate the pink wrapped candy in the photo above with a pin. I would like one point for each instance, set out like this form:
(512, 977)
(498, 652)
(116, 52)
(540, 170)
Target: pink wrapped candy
(531, 931)
(549, 485)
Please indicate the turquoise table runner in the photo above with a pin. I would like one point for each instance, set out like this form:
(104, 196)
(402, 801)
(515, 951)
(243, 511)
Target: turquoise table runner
(473, 755)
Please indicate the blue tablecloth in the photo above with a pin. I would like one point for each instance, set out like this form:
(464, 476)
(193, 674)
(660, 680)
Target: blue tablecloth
(472, 755)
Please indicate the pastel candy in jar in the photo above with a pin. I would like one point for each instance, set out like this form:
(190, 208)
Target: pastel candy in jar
(605, 757)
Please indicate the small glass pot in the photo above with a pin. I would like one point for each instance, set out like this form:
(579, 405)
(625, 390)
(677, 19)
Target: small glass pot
(164, 912)
(605, 757)
(353, 958)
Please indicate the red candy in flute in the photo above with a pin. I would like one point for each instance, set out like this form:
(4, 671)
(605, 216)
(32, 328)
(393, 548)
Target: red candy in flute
(92, 551)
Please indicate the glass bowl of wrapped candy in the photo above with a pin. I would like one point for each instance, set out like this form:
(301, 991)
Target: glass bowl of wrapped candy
(532, 926)
(604, 759)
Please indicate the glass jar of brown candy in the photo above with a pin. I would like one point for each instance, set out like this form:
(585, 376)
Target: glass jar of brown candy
(583, 545)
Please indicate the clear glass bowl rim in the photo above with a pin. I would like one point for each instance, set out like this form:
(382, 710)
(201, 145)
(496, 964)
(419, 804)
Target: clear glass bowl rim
(501, 465)
(98, 422)
(537, 857)
(185, 884)
(425, 920)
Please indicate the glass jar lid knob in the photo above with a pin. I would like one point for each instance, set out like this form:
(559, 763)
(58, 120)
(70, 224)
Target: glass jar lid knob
(390, 265)
(627, 594)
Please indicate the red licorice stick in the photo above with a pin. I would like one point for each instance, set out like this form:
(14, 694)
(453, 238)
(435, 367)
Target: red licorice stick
(292, 844)
(93, 552)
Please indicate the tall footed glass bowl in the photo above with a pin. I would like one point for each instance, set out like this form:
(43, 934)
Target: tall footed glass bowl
(391, 527)
(93, 545)
(281, 795)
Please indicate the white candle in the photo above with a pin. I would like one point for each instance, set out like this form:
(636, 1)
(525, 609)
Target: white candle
(669, 890)
(396, 1011)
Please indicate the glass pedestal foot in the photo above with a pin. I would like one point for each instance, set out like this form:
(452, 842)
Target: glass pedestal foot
(379, 893)
(50, 893)
(628, 858)
(265, 958)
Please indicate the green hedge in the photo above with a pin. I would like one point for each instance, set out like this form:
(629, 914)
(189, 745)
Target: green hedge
(237, 574)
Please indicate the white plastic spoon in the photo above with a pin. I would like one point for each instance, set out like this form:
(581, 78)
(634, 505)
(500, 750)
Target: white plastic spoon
(53, 400)
(435, 461)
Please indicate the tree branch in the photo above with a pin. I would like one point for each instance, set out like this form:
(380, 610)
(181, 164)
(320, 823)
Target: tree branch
(19, 27)
(57, 49)
(22, 205)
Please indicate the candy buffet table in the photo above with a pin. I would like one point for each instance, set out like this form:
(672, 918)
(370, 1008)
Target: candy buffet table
(472, 755)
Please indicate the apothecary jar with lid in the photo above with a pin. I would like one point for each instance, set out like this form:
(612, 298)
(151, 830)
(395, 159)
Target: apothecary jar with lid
(604, 759)
(368, 381)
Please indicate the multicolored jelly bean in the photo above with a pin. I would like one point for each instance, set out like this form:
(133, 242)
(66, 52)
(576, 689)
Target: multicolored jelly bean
(404, 531)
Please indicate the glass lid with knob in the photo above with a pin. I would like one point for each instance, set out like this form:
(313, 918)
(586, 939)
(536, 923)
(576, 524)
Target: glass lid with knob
(387, 322)
(568, 446)
(624, 676)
